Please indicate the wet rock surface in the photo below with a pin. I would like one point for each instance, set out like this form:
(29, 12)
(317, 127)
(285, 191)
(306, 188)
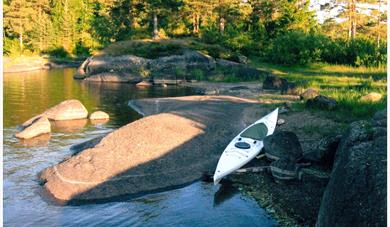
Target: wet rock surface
(178, 140)
(38, 127)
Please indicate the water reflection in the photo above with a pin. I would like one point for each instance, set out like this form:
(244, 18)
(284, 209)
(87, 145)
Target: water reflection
(41, 140)
(68, 126)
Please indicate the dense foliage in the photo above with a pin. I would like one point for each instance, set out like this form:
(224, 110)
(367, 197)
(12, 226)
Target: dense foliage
(280, 31)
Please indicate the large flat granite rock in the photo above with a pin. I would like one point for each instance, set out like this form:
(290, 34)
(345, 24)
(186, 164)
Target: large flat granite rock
(174, 144)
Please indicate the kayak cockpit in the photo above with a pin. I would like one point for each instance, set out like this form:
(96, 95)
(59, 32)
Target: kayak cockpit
(256, 132)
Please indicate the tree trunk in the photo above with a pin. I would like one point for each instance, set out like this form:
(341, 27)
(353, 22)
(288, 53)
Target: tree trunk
(197, 23)
(221, 25)
(352, 19)
(194, 23)
(378, 38)
(155, 31)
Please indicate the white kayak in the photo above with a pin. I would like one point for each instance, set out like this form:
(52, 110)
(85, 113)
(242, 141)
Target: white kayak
(246, 146)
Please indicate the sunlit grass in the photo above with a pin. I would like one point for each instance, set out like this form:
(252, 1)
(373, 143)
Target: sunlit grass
(345, 84)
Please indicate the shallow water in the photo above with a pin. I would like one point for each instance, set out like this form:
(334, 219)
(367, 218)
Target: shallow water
(28, 94)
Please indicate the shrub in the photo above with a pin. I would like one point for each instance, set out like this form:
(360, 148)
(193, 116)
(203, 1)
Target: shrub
(58, 52)
(81, 50)
(11, 47)
(296, 47)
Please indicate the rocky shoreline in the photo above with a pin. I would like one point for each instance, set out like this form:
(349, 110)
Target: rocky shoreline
(27, 64)
(312, 167)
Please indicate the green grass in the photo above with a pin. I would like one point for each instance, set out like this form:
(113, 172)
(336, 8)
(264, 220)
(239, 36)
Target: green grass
(345, 84)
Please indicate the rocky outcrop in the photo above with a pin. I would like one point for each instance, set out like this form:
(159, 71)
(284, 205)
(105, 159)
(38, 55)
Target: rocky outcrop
(174, 144)
(38, 127)
(356, 192)
(324, 150)
(185, 67)
(99, 115)
(118, 77)
(322, 102)
(309, 94)
(371, 97)
(282, 145)
(177, 66)
(102, 64)
(66, 110)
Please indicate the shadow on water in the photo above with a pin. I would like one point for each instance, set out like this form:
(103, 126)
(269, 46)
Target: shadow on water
(225, 192)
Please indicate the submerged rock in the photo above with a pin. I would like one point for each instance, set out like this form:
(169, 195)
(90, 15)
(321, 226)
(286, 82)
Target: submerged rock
(99, 115)
(322, 102)
(282, 145)
(175, 146)
(356, 192)
(38, 127)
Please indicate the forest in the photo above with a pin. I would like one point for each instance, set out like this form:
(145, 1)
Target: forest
(283, 31)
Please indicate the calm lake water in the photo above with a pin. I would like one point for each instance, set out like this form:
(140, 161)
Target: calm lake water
(28, 94)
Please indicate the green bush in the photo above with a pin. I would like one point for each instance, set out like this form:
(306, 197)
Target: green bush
(58, 52)
(11, 47)
(198, 74)
(81, 50)
(299, 48)
(296, 48)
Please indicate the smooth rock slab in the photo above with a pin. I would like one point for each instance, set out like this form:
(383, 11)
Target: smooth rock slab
(175, 146)
(38, 127)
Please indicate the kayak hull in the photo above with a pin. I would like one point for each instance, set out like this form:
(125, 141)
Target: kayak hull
(245, 146)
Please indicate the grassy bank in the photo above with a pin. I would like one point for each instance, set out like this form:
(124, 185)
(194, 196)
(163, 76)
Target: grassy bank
(346, 84)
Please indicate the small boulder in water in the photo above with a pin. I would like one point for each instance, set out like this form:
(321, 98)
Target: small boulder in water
(99, 115)
(67, 110)
(38, 127)
(144, 84)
